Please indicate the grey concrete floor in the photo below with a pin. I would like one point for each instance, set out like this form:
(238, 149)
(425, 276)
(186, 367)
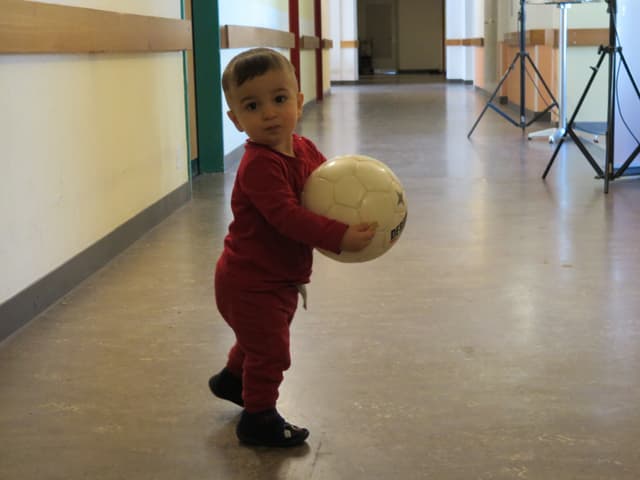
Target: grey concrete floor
(498, 340)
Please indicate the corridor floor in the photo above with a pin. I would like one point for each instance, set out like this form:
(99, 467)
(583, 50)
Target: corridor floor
(499, 339)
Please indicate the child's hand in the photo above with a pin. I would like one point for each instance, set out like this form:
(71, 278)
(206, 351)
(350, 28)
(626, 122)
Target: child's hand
(358, 236)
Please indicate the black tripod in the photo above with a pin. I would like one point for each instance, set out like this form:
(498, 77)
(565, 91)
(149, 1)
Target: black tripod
(522, 56)
(612, 51)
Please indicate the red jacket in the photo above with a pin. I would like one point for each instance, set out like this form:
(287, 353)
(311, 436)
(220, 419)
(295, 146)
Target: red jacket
(271, 237)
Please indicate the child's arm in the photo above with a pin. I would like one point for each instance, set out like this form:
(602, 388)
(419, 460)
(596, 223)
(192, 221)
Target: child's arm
(265, 183)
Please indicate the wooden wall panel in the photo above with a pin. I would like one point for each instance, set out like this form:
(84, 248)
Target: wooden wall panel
(308, 42)
(33, 27)
(545, 59)
(532, 38)
(542, 46)
(551, 37)
(241, 36)
(464, 42)
(327, 43)
(349, 44)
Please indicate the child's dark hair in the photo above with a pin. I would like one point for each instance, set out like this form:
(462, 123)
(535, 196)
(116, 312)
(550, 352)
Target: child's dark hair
(253, 63)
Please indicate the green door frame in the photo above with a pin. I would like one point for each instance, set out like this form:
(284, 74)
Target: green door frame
(206, 54)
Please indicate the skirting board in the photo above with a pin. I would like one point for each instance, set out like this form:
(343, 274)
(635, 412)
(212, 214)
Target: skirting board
(26, 305)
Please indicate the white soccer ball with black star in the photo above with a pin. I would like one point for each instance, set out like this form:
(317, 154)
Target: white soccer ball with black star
(355, 189)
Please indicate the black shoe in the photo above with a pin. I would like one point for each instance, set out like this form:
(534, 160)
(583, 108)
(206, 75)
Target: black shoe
(269, 429)
(227, 386)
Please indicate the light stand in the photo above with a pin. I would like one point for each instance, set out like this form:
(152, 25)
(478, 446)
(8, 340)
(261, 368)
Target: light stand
(553, 134)
(611, 51)
(521, 56)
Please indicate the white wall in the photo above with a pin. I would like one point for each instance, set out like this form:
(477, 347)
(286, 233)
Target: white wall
(474, 28)
(326, 54)
(86, 143)
(455, 27)
(307, 57)
(343, 27)
(579, 59)
(464, 19)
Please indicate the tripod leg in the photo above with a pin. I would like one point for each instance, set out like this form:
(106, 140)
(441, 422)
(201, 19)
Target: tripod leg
(585, 152)
(611, 118)
(546, 87)
(495, 92)
(553, 157)
(544, 84)
(595, 69)
(573, 119)
(627, 162)
(626, 67)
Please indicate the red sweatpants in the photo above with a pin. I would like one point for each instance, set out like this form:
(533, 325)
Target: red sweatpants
(260, 320)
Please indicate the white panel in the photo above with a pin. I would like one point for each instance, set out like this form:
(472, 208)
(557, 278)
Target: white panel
(540, 17)
(349, 64)
(456, 26)
(344, 61)
(455, 19)
(86, 143)
(588, 15)
(471, 31)
(456, 63)
(307, 22)
(308, 74)
(336, 36)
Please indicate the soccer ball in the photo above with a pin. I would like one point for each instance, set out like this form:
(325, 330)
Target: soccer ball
(355, 189)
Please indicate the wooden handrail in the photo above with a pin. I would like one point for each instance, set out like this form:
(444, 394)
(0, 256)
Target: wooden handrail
(464, 42)
(308, 42)
(548, 37)
(34, 27)
(242, 36)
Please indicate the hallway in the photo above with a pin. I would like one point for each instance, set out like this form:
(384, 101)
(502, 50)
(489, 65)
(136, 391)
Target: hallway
(499, 339)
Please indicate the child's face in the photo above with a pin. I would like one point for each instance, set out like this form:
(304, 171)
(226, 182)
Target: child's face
(267, 108)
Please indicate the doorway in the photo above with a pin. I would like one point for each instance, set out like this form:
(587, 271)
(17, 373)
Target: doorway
(377, 35)
(401, 36)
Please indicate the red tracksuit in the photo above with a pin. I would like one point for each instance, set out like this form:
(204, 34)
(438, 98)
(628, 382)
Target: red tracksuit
(267, 253)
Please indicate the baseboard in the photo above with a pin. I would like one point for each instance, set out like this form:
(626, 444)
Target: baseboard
(194, 164)
(421, 71)
(24, 306)
(344, 82)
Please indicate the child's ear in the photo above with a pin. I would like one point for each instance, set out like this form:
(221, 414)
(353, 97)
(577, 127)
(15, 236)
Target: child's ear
(235, 121)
